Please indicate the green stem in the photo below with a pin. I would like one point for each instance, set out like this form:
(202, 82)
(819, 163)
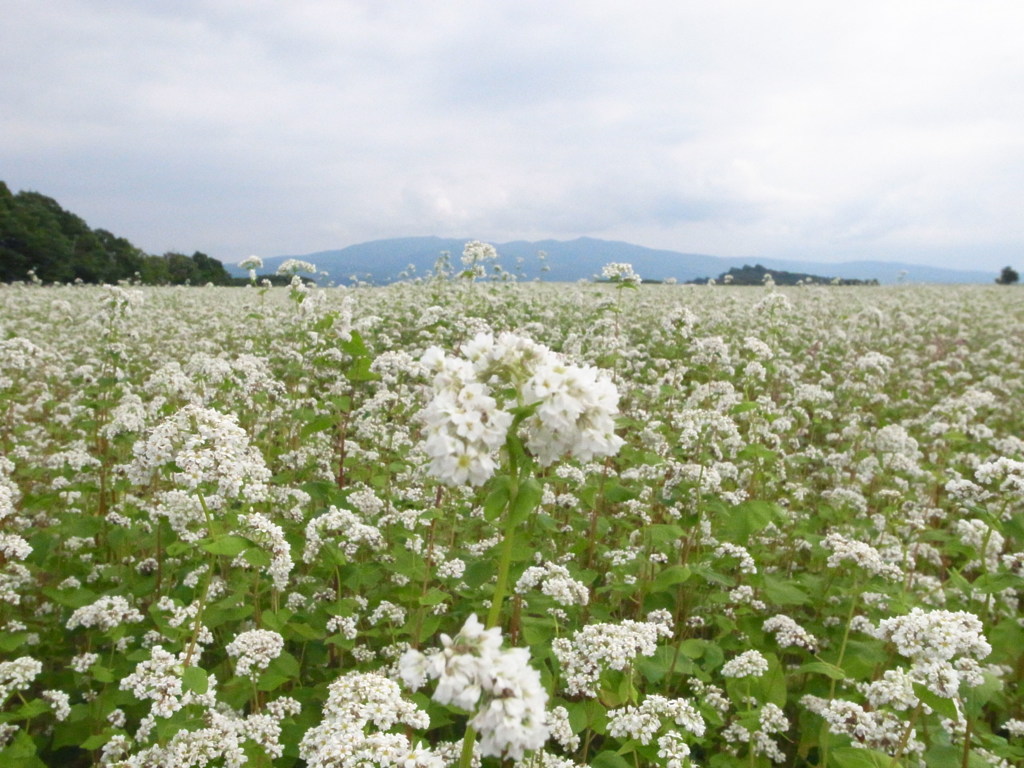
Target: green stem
(505, 563)
(905, 739)
(198, 623)
(466, 759)
(826, 738)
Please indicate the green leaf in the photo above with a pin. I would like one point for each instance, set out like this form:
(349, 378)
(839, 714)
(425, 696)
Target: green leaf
(748, 518)
(758, 452)
(355, 346)
(993, 583)
(693, 648)
(944, 756)
(746, 405)
(226, 544)
(302, 631)
(976, 698)
(537, 631)
(823, 668)
(497, 499)
(664, 534)
(670, 577)
(940, 704)
(281, 670)
(434, 596)
(608, 759)
(195, 679)
(178, 548)
(360, 370)
(528, 496)
(478, 572)
(96, 740)
(317, 424)
(854, 757)
(780, 592)
(586, 714)
(10, 641)
(101, 674)
(20, 753)
(31, 709)
(616, 493)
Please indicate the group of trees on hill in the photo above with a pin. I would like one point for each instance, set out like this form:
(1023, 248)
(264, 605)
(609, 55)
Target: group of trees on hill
(758, 275)
(39, 237)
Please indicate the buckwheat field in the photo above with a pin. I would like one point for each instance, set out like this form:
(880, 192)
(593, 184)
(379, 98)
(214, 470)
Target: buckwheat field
(451, 522)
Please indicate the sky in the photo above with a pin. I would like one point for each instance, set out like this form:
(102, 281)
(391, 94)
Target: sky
(813, 129)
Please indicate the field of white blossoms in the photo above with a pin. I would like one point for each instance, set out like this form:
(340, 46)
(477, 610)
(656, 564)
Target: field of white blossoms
(450, 522)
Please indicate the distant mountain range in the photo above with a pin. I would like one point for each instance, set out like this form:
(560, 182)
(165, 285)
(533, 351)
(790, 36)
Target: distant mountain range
(385, 261)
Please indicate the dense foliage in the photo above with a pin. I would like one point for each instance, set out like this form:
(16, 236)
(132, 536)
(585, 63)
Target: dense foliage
(1008, 276)
(41, 240)
(759, 275)
(393, 527)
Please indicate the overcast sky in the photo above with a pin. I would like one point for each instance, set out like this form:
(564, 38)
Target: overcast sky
(821, 130)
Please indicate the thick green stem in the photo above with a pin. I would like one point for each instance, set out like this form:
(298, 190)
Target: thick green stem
(505, 563)
(466, 759)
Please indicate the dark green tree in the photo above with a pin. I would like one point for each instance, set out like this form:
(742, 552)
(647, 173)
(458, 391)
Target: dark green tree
(1008, 276)
(37, 235)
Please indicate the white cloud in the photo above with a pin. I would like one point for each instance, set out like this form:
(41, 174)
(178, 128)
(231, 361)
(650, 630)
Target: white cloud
(876, 129)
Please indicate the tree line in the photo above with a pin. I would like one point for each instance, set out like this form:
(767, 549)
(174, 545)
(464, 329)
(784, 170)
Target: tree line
(38, 237)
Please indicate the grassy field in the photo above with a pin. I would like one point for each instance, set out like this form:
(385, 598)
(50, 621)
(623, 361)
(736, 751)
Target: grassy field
(448, 522)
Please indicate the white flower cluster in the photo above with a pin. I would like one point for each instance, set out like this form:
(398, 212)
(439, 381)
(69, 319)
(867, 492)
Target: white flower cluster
(222, 738)
(876, 729)
(158, 678)
(983, 539)
(555, 581)
(560, 729)
(771, 720)
(1009, 473)
(12, 546)
(206, 447)
(59, 702)
(498, 685)
(747, 564)
(861, 554)
(106, 613)
(620, 272)
(475, 256)
(575, 407)
(788, 633)
(894, 689)
(17, 675)
(255, 650)
(270, 536)
(356, 701)
(598, 647)
(644, 721)
(943, 647)
(352, 532)
(294, 266)
(673, 749)
(747, 664)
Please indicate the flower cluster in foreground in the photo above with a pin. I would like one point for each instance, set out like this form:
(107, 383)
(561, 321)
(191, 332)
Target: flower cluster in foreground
(571, 408)
(498, 685)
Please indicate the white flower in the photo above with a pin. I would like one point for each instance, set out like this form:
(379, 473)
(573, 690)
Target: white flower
(465, 424)
(747, 664)
(255, 650)
(498, 685)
